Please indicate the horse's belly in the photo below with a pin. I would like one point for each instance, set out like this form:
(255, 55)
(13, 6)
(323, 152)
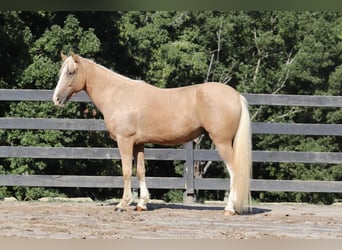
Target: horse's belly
(170, 136)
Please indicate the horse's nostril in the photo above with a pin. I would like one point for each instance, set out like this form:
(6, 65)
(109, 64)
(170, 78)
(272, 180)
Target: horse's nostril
(56, 99)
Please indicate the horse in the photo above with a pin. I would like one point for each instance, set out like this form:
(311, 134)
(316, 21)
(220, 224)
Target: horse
(136, 113)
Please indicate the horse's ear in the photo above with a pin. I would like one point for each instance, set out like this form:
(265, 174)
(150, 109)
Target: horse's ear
(64, 57)
(75, 57)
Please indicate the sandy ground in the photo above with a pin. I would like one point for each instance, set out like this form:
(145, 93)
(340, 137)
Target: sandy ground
(95, 220)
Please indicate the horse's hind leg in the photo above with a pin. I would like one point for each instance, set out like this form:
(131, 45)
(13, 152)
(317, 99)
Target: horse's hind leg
(144, 195)
(226, 152)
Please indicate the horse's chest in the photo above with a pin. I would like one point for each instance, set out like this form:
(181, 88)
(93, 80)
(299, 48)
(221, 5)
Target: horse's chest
(120, 125)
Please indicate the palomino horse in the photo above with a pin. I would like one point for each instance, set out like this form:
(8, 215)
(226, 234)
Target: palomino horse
(136, 113)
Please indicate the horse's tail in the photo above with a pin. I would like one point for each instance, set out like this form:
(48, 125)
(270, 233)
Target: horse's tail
(243, 160)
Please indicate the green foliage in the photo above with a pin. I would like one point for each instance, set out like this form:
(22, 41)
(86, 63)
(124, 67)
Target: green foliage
(40, 74)
(173, 196)
(15, 38)
(4, 193)
(278, 52)
(70, 37)
(34, 193)
(174, 62)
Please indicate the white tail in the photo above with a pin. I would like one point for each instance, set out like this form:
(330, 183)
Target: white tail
(242, 161)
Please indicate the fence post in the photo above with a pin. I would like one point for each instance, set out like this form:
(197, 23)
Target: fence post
(189, 194)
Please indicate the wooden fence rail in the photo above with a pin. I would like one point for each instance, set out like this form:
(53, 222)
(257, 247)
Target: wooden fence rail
(98, 125)
(187, 154)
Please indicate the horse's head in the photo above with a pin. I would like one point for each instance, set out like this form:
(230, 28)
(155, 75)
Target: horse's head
(71, 79)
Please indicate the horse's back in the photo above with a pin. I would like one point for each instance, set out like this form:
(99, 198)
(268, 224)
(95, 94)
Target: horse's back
(206, 101)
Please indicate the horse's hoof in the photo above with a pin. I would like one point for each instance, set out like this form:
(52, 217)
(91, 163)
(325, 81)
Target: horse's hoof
(119, 209)
(140, 209)
(229, 213)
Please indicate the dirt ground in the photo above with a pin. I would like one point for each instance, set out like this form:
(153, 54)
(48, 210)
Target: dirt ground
(95, 220)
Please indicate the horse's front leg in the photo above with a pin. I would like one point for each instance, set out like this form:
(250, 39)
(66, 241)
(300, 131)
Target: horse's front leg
(126, 153)
(140, 161)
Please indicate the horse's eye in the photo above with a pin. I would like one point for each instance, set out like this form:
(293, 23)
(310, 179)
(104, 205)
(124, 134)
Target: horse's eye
(70, 73)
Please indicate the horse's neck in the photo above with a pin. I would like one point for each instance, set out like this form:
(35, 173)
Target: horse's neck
(102, 84)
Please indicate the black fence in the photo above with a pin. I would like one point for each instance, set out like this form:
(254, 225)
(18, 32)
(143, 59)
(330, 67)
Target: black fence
(187, 154)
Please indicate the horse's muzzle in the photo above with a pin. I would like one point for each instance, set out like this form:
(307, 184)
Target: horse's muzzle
(58, 100)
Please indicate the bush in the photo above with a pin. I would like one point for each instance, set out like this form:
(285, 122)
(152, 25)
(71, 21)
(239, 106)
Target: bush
(173, 196)
(34, 193)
